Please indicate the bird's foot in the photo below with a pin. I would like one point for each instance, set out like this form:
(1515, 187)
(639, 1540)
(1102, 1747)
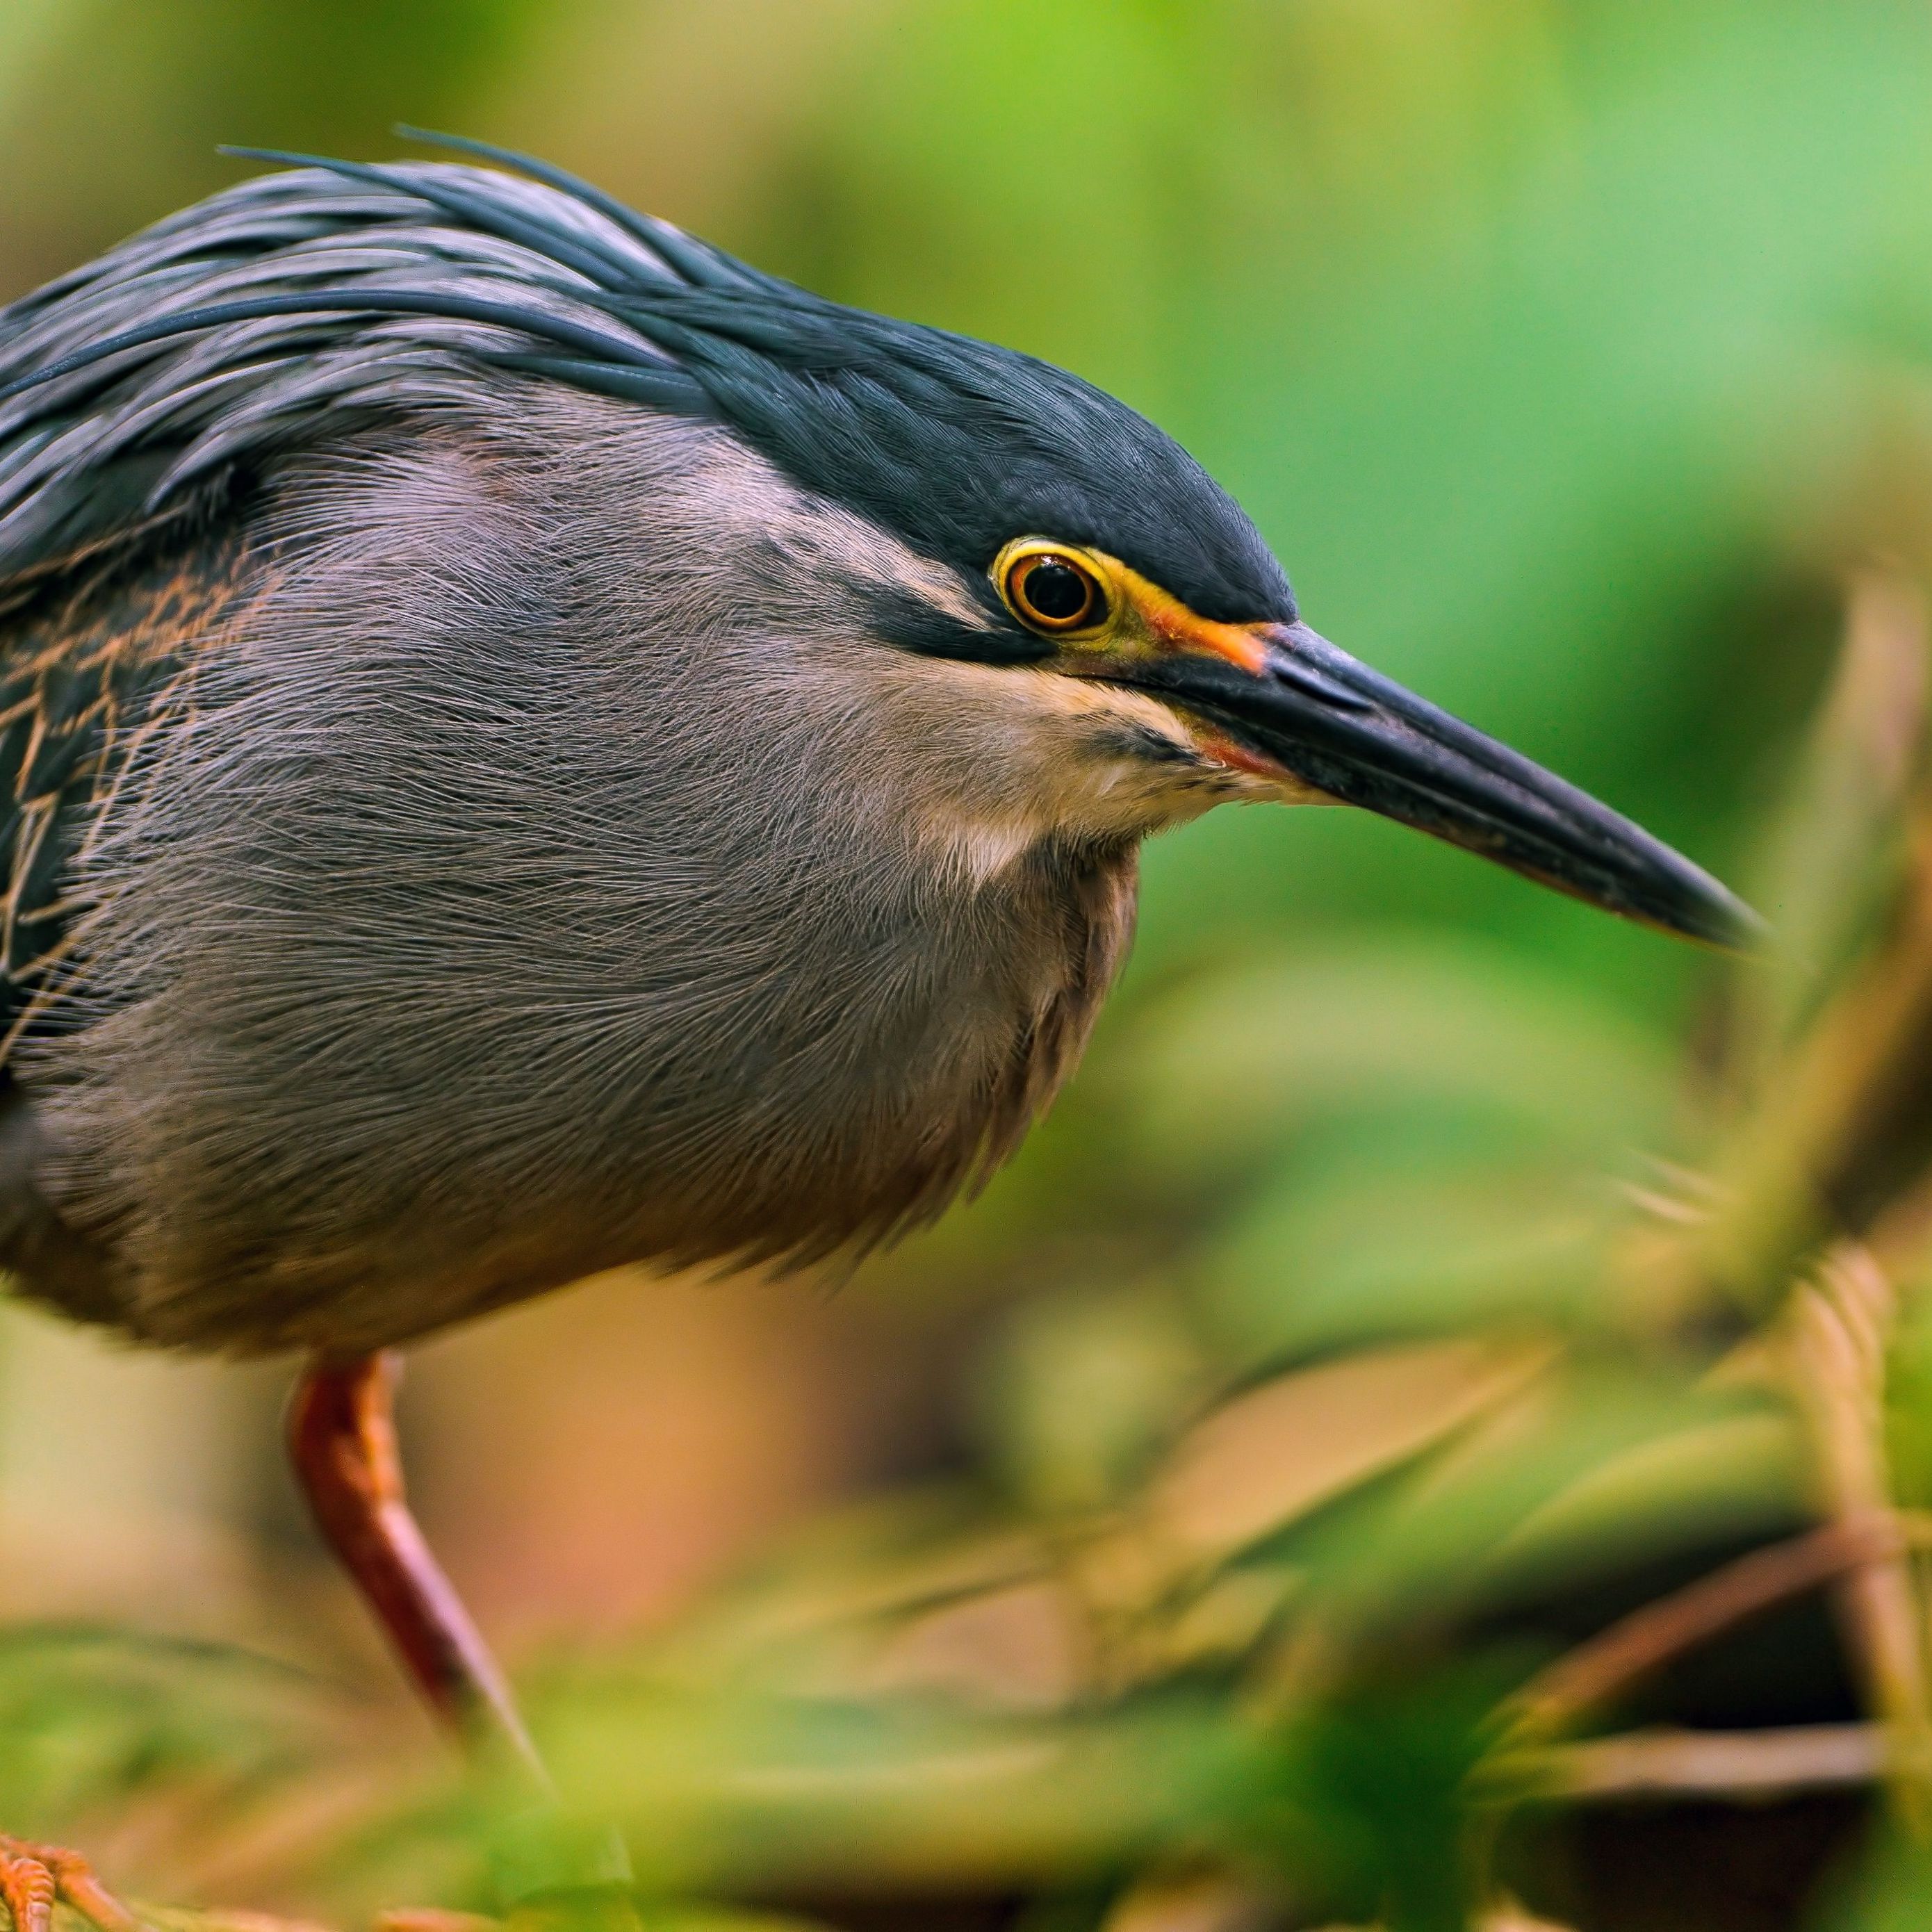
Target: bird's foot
(33, 1877)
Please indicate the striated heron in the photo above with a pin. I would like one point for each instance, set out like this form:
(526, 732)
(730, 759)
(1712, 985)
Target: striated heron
(530, 745)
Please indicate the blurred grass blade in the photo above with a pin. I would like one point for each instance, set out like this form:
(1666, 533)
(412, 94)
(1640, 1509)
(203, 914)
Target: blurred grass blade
(1836, 848)
(1293, 1445)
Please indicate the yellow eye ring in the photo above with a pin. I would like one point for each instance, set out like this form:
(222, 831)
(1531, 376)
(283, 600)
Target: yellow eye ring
(1051, 589)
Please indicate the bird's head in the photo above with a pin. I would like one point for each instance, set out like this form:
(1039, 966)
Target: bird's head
(1131, 621)
(1027, 547)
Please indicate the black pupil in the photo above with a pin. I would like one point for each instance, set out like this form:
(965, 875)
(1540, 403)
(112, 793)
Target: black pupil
(1056, 591)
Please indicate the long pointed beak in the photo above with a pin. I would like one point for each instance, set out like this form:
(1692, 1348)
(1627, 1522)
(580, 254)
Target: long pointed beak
(1360, 737)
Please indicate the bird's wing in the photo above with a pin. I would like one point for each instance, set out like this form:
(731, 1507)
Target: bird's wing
(127, 467)
(83, 668)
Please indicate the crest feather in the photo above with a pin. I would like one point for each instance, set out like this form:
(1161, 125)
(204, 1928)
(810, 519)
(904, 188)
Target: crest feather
(284, 310)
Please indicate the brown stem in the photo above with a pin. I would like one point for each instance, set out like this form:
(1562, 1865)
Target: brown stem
(1749, 1766)
(1607, 1664)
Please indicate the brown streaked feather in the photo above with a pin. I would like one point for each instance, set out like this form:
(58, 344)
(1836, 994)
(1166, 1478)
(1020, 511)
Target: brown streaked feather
(91, 653)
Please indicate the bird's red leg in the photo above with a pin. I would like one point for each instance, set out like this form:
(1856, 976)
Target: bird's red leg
(342, 1439)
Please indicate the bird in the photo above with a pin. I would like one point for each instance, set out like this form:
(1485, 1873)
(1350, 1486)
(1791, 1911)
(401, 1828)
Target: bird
(531, 744)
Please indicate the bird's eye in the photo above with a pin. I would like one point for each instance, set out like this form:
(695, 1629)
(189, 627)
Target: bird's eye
(1054, 591)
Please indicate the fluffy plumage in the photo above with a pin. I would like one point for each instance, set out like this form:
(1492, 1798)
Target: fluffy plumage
(501, 783)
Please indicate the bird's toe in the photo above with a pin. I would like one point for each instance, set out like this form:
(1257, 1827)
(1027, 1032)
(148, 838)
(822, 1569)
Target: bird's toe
(34, 1876)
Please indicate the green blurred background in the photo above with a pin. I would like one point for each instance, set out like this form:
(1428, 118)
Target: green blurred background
(1571, 356)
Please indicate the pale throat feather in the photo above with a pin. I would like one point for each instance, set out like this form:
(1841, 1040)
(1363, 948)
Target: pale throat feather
(1003, 760)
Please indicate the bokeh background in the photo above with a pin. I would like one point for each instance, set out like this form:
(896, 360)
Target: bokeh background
(1574, 359)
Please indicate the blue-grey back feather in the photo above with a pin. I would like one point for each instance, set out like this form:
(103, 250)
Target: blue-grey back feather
(271, 314)
(117, 441)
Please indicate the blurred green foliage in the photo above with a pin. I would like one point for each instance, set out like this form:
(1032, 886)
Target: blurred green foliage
(1416, 1246)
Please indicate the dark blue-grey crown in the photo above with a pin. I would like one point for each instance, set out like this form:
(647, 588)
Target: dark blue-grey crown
(256, 320)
